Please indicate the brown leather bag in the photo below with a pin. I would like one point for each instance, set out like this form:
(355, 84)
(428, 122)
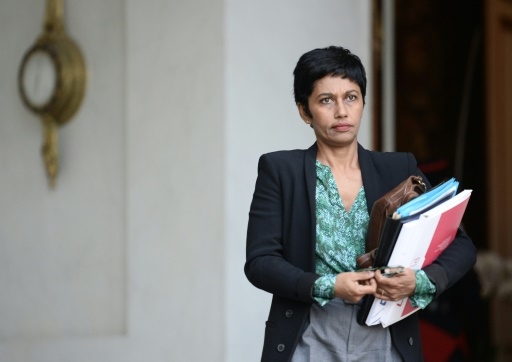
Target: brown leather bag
(382, 208)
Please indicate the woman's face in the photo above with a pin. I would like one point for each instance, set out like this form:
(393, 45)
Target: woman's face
(336, 107)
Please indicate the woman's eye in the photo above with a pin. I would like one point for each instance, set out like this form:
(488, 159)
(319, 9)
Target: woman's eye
(325, 100)
(351, 97)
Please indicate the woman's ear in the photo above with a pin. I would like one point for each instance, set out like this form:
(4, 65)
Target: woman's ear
(303, 114)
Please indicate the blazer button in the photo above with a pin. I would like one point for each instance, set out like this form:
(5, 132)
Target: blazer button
(289, 313)
(411, 341)
(280, 347)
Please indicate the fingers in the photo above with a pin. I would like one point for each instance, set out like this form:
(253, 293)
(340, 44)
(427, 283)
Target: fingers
(352, 286)
(365, 275)
(382, 292)
(386, 295)
(396, 287)
(390, 273)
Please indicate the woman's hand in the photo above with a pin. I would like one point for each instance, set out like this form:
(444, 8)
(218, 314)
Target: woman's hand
(396, 287)
(352, 286)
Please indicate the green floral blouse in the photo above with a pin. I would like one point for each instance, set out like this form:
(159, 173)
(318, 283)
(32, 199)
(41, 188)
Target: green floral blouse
(340, 239)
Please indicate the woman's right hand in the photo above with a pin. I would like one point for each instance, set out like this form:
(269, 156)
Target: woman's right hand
(352, 286)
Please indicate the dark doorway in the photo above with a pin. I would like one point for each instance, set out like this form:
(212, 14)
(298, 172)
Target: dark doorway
(440, 95)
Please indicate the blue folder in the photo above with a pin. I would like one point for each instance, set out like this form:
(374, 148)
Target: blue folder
(429, 199)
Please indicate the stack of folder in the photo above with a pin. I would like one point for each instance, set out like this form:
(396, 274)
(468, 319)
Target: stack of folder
(413, 237)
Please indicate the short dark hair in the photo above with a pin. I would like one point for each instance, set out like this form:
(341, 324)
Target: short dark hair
(317, 63)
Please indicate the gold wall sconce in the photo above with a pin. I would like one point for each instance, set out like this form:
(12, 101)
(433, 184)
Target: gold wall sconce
(51, 81)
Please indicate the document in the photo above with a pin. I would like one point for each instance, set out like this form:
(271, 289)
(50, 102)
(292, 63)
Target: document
(403, 250)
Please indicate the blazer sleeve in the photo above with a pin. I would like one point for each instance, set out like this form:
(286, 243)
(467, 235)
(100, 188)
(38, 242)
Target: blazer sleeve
(455, 261)
(266, 266)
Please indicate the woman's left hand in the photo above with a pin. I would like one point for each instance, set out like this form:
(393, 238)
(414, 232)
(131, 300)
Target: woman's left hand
(396, 287)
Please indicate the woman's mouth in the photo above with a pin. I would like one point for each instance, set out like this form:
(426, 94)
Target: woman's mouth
(342, 127)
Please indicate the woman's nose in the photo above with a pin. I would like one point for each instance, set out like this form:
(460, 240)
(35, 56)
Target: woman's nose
(340, 111)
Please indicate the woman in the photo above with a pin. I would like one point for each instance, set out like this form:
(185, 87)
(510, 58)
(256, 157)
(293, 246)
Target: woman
(308, 221)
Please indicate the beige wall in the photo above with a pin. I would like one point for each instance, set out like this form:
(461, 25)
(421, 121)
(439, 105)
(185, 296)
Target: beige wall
(63, 260)
(137, 255)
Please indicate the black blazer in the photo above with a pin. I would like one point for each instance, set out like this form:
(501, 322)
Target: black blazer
(281, 243)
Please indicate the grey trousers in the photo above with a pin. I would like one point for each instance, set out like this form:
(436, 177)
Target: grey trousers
(333, 335)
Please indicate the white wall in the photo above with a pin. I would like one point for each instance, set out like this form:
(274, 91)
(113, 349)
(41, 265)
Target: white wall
(264, 40)
(175, 109)
(62, 258)
(123, 260)
(138, 253)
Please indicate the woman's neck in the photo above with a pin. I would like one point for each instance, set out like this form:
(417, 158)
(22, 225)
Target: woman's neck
(339, 157)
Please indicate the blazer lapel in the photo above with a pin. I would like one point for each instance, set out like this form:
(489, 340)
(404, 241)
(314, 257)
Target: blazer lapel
(372, 183)
(310, 175)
